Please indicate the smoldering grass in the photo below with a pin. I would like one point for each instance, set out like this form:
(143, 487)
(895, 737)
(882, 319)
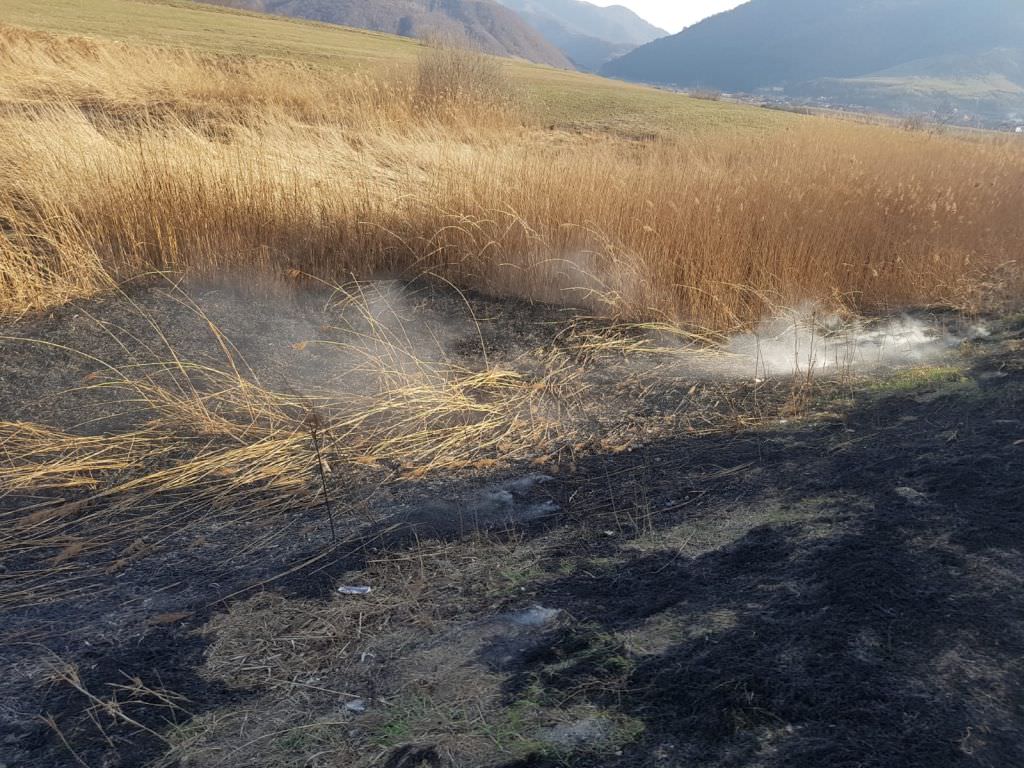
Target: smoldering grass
(209, 441)
(119, 161)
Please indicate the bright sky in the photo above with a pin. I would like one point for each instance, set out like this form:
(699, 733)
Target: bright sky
(673, 15)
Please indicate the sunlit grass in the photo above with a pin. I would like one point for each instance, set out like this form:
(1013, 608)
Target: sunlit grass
(118, 162)
(558, 97)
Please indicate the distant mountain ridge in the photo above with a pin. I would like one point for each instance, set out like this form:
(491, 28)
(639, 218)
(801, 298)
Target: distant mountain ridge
(613, 23)
(485, 24)
(587, 34)
(809, 45)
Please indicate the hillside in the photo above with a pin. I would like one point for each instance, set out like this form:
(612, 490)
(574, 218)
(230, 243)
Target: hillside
(615, 23)
(805, 45)
(987, 84)
(588, 35)
(587, 54)
(484, 23)
(561, 97)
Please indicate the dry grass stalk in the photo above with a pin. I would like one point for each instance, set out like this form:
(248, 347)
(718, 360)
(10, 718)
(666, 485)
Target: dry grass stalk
(214, 441)
(118, 161)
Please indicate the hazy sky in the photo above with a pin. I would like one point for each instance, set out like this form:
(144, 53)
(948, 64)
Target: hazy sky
(673, 15)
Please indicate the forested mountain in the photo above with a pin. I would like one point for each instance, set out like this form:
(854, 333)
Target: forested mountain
(950, 49)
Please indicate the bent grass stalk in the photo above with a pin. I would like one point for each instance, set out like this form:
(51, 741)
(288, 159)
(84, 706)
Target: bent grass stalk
(213, 442)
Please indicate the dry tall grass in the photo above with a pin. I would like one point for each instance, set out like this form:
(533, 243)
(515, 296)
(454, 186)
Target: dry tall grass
(212, 438)
(116, 161)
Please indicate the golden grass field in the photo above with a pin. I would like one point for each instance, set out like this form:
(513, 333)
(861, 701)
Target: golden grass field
(359, 159)
(120, 160)
(368, 157)
(362, 156)
(563, 98)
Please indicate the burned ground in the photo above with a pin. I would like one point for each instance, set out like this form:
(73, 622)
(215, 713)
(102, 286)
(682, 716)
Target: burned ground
(842, 588)
(893, 637)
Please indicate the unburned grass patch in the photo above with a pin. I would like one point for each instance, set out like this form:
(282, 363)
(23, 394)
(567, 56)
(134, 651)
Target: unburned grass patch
(920, 378)
(402, 652)
(223, 167)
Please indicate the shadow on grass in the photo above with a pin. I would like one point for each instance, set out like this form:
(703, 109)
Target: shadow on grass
(880, 625)
(843, 594)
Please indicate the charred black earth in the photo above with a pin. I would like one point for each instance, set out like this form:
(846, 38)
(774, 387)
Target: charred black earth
(842, 589)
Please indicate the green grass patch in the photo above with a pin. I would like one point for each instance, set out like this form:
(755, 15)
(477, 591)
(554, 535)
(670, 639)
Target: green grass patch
(916, 379)
(211, 28)
(561, 98)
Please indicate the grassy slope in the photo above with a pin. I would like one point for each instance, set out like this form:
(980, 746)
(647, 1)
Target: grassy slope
(997, 76)
(562, 97)
(297, 166)
(995, 88)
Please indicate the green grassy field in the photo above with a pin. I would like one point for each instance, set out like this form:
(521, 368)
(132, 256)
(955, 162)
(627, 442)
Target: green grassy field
(180, 23)
(562, 98)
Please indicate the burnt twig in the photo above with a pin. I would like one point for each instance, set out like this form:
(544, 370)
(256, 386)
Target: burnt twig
(314, 424)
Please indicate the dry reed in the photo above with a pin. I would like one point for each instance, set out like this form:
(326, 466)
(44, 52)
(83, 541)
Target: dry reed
(118, 161)
(212, 442)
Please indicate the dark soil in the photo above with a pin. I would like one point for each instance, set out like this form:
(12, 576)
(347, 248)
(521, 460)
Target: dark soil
(895, 639)
(842, 592)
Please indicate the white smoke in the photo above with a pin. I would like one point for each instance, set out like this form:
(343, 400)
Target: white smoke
(804, 341)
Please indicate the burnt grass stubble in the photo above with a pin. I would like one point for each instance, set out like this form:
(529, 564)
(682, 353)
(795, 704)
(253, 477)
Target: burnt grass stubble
(841, 646)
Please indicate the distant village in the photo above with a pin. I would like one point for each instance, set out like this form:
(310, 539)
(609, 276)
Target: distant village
(950, 116)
